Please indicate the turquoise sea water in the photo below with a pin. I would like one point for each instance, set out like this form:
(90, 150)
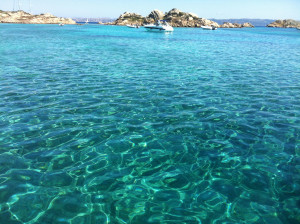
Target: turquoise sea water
(103, 124)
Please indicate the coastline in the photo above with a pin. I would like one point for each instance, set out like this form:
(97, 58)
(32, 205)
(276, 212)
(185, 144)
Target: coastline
(22, 17)
(175, 17)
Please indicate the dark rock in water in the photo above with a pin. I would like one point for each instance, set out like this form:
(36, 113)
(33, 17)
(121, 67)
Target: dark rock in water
(291, 211)
(25, 176)
(9, 161)
(225, 188)
(212, 199)
(288, 23)
(28, 206)
(260, 197)
(206, 195)
(43, 156)
(256, 180)
(62, 162)
(104, 183)
(65, 207)
(10, 188)
(58, 179)
(119, 146)
(166, 195)
(7, 217)
(178, 181)
(241, 210)
(94, 217)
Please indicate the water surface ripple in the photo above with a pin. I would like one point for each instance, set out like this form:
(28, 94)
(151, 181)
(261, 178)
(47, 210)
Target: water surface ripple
(103, 124)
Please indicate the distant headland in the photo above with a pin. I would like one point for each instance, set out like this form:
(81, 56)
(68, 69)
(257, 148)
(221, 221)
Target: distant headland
(27, 18)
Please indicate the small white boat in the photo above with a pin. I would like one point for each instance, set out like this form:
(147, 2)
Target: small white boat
(133, 26)
(61, 24)
(298, 28)
(87, 21)
(159, 26)
(209, 27)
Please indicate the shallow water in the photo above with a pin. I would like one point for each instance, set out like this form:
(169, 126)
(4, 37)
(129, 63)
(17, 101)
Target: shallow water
(103, 124)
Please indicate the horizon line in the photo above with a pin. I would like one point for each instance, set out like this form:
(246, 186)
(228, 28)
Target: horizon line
(108, 17)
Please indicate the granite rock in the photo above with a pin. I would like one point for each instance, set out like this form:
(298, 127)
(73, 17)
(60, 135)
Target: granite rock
(174, 17)
(227, 25)
(247, 25)
(235, 25)
(288, 23)
(128, 18)
(156, 15)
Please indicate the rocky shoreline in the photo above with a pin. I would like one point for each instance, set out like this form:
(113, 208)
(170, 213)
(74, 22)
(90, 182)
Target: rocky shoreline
(27, 18)
(288, 23)
(174, 17)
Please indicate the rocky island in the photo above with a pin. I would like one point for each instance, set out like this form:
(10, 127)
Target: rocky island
(288, 23)
(174, 17)
(236, 25)
(27, 18)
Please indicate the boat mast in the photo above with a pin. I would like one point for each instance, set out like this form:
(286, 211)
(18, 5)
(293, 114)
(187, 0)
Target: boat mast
(29, 6)
(19, 4)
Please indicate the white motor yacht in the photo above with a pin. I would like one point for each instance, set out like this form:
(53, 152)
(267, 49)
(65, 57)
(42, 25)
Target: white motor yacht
(159, 26)
(209, 27)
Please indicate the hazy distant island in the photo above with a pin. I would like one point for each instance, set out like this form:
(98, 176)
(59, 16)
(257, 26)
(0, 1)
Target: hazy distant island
(175, 18)
(254, 22)
(94, 20)
(27, 18)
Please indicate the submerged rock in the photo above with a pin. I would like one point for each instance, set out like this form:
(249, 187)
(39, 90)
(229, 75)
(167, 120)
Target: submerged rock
(27, 18)
(28, 211)
(10, 161)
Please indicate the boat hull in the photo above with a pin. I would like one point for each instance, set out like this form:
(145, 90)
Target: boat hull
(136, 27)
(159, 29)
(208, 28)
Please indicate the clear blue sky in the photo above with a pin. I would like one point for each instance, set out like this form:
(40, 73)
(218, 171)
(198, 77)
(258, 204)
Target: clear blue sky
(220, 9)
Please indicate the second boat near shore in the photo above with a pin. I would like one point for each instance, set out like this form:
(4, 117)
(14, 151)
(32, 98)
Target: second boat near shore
(209, 27)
